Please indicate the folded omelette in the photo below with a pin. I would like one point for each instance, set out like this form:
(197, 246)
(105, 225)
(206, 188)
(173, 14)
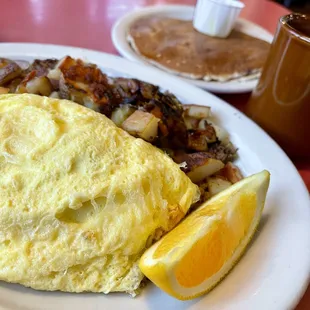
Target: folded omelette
(80, 199)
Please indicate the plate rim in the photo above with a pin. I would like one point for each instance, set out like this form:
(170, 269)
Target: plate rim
(32, 49)
(123, 47)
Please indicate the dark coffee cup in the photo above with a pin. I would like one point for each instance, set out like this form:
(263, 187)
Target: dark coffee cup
(281, 101)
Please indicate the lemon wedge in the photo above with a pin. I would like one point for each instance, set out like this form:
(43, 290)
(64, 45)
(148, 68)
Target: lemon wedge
(192, 258)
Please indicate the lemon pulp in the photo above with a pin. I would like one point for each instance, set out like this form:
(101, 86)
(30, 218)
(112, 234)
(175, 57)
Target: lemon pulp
(196, 255)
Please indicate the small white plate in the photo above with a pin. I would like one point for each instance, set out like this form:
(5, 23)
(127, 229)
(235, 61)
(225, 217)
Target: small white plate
(273, 273)
(119, 38)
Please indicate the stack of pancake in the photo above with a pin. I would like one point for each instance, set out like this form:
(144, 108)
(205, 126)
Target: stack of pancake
(176, 47)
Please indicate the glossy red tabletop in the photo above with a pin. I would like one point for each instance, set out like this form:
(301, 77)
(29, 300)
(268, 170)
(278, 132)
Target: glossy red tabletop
(87, 23)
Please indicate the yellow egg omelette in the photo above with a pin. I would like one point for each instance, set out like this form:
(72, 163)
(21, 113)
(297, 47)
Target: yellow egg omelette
(80, 199)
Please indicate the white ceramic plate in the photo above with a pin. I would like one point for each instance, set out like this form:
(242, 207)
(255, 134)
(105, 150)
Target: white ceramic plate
(119, 38)
(274, 271)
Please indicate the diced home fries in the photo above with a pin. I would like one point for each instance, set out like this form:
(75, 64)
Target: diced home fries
(184, 131)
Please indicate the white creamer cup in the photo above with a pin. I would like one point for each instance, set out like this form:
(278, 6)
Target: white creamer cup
(216, 17)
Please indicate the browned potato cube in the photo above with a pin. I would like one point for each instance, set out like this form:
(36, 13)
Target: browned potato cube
(191, 123)
(9, 72)
(231, 172)
(142, 124)
(198, 139)
(120, 114)
(200, 168)
(196, 111)
(39, 85)
(217, 184)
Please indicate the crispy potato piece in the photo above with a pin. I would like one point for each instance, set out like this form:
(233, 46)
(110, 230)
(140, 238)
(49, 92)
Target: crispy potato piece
(202, 124)
(86, 85)
(21, 87)
(77, 92)
(39, 85)
(198, 167)
(142, 124)
(221, 134)
(217, 184)
(209, 167)
(196, 111)
(54, 74)
(231, 172)
(191, 123)
(119, 115)
(62, 64)
(66, 62)
(9, 72)
(198, 139)
(209, 132)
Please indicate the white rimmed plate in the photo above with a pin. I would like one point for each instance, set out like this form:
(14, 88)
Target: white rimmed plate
(274, 271)
(119, 38)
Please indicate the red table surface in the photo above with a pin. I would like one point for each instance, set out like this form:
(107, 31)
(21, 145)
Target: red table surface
(87, 23)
